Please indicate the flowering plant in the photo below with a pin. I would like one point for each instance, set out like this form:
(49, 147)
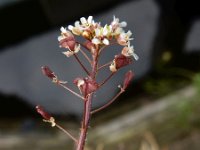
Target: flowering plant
(97, 38)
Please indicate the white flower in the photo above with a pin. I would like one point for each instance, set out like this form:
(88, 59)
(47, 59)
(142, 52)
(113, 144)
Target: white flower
(129, 51)
(80, 26)
(70, 52)
(106, 31)
(101, 35)
(124, 38)
(64, 34)
(87, 22)
(117, 27)
(115, 23)
(76, 29)
(63, 30)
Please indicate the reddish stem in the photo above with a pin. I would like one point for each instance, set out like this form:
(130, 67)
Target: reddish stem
(76, 57)
(67, 88)
(87, 108)
(85, 123)
(66, 132)
(107, 104)
(86, 56)
(106, 79)
(105, 65)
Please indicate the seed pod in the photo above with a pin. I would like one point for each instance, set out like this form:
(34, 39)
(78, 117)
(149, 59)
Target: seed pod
(127, 80)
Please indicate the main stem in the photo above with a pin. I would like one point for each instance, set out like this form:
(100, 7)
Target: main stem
(87, 108)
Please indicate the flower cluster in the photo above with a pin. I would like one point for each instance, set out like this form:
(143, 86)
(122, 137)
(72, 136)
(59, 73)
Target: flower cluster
(97, 36)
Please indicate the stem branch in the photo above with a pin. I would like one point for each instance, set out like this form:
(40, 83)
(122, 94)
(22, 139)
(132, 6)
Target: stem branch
(66, 132)
(76, 57)
(107, 64)
(107, 104)
(106, 79)
(86, 56)
(65, 87)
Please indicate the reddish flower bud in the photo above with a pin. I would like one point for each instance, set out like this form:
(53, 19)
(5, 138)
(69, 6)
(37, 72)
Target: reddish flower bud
(119, 62)
(47, 72)
(43, 113)
(65, 43)
(66, 39)
(127, 80)
(86, 86)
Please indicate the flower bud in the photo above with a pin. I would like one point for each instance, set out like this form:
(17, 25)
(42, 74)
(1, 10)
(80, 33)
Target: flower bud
(47, 72)
(66, 43)
(47, 117)
(127, 80)
(43, 113)
(66, 39)
(86, 34)
(86, 86)
(119, 62)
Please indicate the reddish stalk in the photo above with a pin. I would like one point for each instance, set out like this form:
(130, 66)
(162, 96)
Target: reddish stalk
(105, 65)
(109, 103)
(76, 57)
(66, 132)
(85, 123)
(65, 87)
(87, 109)
(86, 56)
(110, 76)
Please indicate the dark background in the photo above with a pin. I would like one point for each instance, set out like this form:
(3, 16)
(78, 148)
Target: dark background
(26, 18)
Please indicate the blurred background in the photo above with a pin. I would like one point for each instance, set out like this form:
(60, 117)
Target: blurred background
(160, 109)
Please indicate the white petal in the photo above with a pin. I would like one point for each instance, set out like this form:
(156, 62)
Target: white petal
(96, 41)
(123, 24)
(106, 41)
(83, 20)
(63, 30)
(105, 30)
(112, 67)
(97, 32)
(135, 56)
(90, 18)
(77, 48)
(60, 38)
(70, 27)
(68, 53)
(129, 33)
(77, 24)
(80, 82)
